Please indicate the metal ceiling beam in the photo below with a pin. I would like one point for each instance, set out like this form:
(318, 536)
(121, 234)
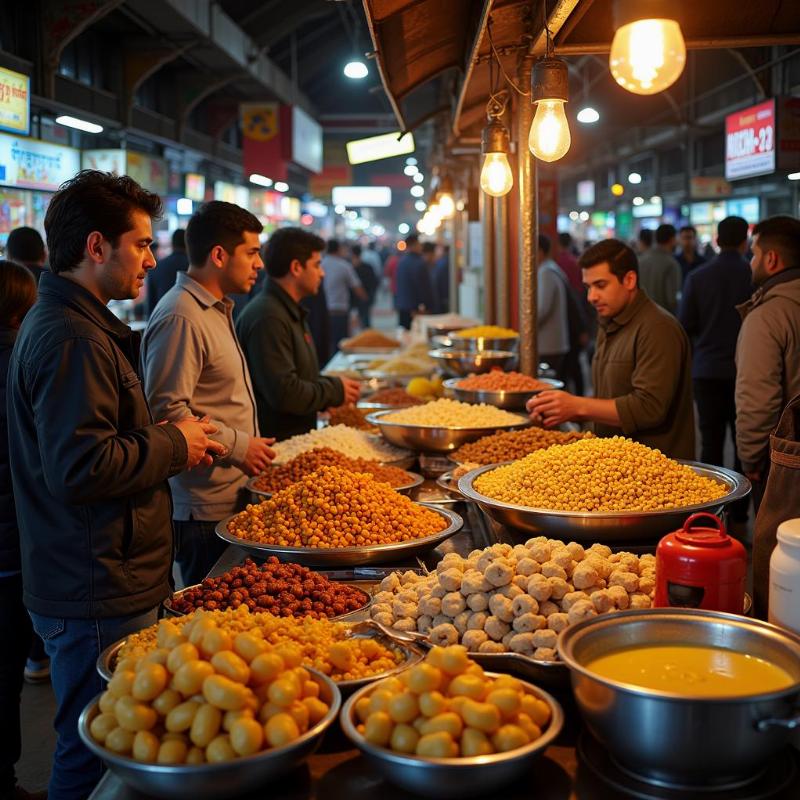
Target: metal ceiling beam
(555, 22)
(711, 43)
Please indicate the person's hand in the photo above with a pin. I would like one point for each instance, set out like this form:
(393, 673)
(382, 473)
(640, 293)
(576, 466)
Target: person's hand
(201, 448)
(552, 408)
(258, 456)
(352, 390)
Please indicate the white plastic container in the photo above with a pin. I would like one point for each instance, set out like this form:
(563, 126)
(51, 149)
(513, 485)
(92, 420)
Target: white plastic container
(784, 577)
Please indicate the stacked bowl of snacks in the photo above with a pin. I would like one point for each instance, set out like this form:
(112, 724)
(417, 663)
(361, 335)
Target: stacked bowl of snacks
(384, 399)
(333, 517)
(443, 425)
(481, 337)
(284, 475)
(724, 689)
(445, 728)
(600, 489)
(509, 390)
(459, 363)
(369, 341)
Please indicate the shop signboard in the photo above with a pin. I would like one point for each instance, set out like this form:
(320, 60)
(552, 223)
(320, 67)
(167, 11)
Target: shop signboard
(652, 208)
(195, 186)
(150, 173)
(362, 196)
(15, 102)
(290, 208)
(746, 207)
(585, 193)
(113, 161)
(750, 141)
(703, 187)
(31, 164)
(306, 141)
(374, 148)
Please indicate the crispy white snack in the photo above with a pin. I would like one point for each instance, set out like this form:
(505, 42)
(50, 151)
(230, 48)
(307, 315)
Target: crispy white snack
(524, 604)
(602, 601)
(521, 643)
(552, 570)
(477, 621)
(582, 610)
(478, 601)
(584, 576)
(424, 623)
(576, 551)
(558, 588)
(474, 581)
(627, 580)
(539, 587)
(558, 621)
(528, 566)
(430, 605)
(545, 638)
(548, 608)
(501, 607)
(521, 582)
(639, 600)
(495, 628)
(490, 646)
(499, 572)
(407, 624)
(509, 590)
(539, 550)
(619, 596)
(453, 603)
(545, 654)
(473, 639)
(528, 623)
(570, 598)
(450, 579)
(390, 582)
(438, 591)
(384, 618)
(460, 622)
(562, 557)
(443, 635)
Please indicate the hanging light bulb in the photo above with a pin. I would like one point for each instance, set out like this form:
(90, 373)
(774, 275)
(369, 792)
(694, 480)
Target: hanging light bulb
(647, 55)
(447, 204)
(496, 176)
(549, 137)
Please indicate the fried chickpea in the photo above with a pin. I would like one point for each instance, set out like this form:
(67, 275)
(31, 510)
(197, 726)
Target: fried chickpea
(283, 692)
(205, 725)
(180, 655)
(107, 701)
(404, 739)
(265, 667)
(181, 717)
(172, 751)
(454, 659)
(219, 749)
(403, 707)
(189, 678)
(475, 743)
(102, 725)
(316, 709)
(467, 685)
(151, 679)
(483, 716)
(281, 730)
(449, 721)
(214, 641)
(437, 745)
(166, 701)
(145, 747)
(195, 756)
(378, 728)
(507, 700)
(509, 737)
(424, 678)
(248, 646)
(246, 737)
(119, 741)
(121, 683)
(230, 665)
(536, 709)
(224, 693)
(433, 703)
(133, 715)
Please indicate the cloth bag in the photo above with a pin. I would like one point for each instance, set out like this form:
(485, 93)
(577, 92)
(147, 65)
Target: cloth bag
(781, 499)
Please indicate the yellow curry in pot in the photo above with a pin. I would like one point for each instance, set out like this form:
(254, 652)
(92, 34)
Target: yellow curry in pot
(692, 670)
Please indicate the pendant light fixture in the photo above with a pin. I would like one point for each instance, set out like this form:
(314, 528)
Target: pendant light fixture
(549, 137)
(496, 176)
(648, 53)
(447, 203)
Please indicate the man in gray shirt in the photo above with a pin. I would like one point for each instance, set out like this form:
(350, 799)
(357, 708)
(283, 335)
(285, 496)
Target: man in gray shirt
(340, 279)
(193, 366)
(659, 272)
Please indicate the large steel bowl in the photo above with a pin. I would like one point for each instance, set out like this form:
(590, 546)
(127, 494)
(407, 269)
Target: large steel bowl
(599, 526)
(681, 740)
(414, 479)
(429, 439)
(461, 363)
(349, 556)
(453, 777)
(477, 342)
(512, 401)
(214, 781)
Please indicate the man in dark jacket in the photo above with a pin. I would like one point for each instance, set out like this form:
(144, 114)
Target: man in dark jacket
(277, 343)
(88, 463)
(414, 288)
(161, 279)
(17, 295)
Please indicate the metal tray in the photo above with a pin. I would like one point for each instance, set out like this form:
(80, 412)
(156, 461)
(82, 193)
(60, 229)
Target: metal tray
(363, 586)
(435, 440)
(595, 526)
(234, 778)
(460, 363)
(414, 480)
(446, 484)
(396, 377)
(511, 401)
(477, 342)
(349, 556)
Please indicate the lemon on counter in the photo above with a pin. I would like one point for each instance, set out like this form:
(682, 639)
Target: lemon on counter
(420, 387)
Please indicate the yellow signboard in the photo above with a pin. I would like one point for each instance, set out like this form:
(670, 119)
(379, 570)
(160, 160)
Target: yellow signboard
(15, 101)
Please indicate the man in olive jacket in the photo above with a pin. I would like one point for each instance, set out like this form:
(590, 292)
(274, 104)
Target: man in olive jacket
(277, 343)
(88, 463)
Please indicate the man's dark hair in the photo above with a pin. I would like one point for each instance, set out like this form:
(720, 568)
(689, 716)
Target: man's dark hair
(17, 292)
(565, 240)
(93, 201)
(646, 237)
(286, 245)
(731, 232)
(620, 258)
(781, 234)
(355, 249)
(688, 228)
(665, 233)
(25, 246)
(544, 243)
(179, 239)
(218, 224)
(332, 247)
(428, 247)
(411, 239)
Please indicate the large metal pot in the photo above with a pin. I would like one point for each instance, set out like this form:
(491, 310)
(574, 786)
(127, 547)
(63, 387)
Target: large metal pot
(678, 740)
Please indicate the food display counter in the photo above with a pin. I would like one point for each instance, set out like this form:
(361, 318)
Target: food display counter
(575, 766)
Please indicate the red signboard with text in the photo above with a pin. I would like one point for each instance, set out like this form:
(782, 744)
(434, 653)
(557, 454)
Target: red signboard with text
(750, 141)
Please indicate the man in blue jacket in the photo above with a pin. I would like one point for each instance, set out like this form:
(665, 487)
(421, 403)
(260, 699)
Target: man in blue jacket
(89, 464)
(414, 286)
(708, 313)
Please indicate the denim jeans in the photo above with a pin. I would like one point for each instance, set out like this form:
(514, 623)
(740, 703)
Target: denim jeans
(73, 646)
(197, 548)
(15, 633)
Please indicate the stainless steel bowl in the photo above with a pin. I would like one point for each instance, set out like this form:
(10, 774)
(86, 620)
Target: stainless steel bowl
(395, 378)
(461, 363)
(513, 401)
(349, 556)
(597, 526)
(676, 740)
(414, 480)
(477, 342)
(435, 440)
(213, 781)
(452, 777)
(444, 329)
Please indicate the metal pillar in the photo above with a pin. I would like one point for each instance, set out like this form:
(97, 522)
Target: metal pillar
(501, 260)
(456, 226)
(528, 228)
(485, 209)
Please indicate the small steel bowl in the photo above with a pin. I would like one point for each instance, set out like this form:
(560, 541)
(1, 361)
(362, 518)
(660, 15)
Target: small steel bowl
(461, 363)
(477, 342)
(414, 480)
(428, 439)
(512, 401)
(680, 740)
(444, 329)
(213, 781)
(453, 777)
(602, 526)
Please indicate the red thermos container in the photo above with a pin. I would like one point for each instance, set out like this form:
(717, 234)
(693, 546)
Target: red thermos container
(701, 567)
